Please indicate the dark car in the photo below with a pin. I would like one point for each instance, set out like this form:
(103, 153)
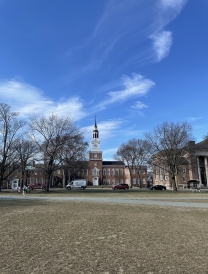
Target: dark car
(158, 187)
(120, 186)
(37, 186)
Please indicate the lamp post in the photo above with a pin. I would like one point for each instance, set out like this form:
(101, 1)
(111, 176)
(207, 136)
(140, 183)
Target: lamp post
(35, 178)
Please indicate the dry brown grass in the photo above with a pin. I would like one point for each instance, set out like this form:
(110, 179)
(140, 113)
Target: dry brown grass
(72, 237)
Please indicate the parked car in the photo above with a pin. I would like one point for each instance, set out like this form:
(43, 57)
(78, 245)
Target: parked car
(37, 186)
(120, 186)
(158, 187)
(77, 184)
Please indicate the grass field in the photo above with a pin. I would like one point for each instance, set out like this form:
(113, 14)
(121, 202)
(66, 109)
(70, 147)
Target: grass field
(78, 237)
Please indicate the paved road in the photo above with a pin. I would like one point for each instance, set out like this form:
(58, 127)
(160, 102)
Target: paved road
(139, 201)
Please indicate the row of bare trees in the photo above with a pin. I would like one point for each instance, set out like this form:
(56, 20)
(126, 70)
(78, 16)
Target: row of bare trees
(167, 146)
(52, 141)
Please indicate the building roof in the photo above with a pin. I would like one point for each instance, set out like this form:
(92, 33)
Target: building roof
(113, 163)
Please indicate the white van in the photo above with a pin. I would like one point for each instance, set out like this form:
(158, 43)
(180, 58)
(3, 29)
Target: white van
(77, 184)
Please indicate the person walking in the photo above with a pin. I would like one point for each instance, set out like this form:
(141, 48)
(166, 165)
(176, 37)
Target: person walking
(24, 190)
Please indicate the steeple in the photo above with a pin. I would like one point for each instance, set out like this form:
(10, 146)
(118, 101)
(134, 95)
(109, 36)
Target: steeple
(95, 143)
(95, 134)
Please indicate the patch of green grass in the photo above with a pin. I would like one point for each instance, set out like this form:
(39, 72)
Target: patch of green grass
(73, 237)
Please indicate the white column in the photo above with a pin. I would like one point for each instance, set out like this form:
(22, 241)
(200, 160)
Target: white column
(199, 173)
(206, 168)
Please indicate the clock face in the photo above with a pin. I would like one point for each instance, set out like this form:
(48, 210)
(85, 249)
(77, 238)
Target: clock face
(95, 145)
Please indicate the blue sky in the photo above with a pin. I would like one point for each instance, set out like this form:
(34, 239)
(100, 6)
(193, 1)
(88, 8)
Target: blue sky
(132, 63)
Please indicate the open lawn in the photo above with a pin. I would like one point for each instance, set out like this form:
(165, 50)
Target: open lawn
(84, 237)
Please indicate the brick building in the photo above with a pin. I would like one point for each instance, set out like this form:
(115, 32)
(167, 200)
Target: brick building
(98, 172)
(195, 169)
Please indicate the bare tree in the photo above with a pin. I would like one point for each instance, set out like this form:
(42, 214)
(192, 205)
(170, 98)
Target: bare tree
(52, 134)
(74, 154)
(205, 136)
(170, 151)
(135, 154)
(26, 150)
(10, 133)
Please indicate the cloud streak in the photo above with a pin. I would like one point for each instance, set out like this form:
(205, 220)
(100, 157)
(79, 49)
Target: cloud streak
(130, 87)
(162, 42)
(122, 35)
(27, 99)
(139, 105)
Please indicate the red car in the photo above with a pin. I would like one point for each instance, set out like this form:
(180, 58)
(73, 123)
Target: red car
(37, 186)
(121, 186)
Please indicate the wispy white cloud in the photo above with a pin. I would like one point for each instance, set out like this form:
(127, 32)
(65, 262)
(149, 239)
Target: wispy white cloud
(162, 42)
(176, 5)
(139, 105)
(134, 21)
(27, 99)
(193, 119)
(130, 87)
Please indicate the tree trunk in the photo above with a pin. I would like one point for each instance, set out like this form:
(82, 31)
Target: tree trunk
(174, 184)
(48, 182)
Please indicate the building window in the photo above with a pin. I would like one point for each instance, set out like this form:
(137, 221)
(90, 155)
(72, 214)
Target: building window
(143, 181)
(161, 177)
(121, 181)
(95, 155)
(184, 170)
(104, 182)
(104, 172)
(94, 173)
(113, 172)
(40, 180)
(184, 178)
(121, 171)
(134, 181)
(108, 171)
(113, 182)
(143, 171)
(138, 181)
(28, 181)
(156, 177)
(108, 182)
(117, 171)
(166, 177)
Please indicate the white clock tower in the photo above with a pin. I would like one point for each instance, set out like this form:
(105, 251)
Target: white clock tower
(95, 143)
(95, 157)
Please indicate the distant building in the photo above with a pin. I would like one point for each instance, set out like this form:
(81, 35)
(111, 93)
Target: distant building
(195, 169)
(98, 172)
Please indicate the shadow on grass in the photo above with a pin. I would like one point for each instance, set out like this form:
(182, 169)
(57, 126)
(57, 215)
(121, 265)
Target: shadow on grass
(21, 203)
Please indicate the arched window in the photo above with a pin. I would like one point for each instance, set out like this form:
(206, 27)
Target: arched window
(113, 172)
(104, 172)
